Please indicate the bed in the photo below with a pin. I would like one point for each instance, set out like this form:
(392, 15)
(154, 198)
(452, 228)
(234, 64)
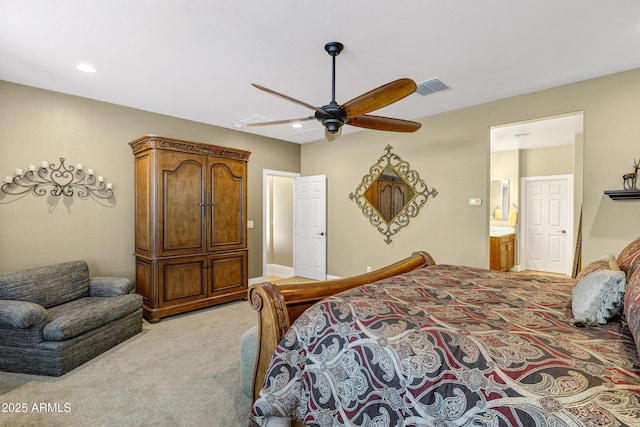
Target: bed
(423, 344)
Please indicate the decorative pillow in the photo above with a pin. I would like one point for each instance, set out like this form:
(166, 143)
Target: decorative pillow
(598, 294)
(629, 258)
(632, 307)
(605, 263)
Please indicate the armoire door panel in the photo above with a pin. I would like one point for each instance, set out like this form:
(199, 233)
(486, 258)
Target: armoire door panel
(182, 280)
(182, 201)
(228, 271)
(227, 222)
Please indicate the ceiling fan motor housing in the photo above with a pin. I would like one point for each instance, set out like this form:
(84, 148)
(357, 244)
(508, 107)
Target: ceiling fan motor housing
(334, 119)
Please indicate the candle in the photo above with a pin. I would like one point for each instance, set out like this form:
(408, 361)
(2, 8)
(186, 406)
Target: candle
(79, 166)
(8, 178)
(100, 178)
(90, 171)
(109, 185)
(45, 163)
(18, 171)
(32, 168)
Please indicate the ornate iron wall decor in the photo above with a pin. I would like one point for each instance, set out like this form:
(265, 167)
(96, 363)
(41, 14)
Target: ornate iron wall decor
(63, 180)
(408, 184)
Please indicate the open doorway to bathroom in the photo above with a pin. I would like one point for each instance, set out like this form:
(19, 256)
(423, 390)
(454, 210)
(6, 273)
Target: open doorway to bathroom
(536, 191)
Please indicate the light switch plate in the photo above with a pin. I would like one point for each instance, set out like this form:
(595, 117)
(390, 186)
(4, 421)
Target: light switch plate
(475, 201)
(249, 224)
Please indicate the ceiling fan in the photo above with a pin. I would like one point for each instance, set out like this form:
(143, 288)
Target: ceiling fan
(353, 112)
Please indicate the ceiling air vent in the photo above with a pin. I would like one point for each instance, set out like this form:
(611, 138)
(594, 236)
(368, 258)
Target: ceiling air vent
(250, 118)
(431, 86)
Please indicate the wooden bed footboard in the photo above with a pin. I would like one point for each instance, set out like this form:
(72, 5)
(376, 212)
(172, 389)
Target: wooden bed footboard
(279, 305)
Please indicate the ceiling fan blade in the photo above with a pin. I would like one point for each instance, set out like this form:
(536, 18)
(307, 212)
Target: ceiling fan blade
(384, 123)
(280, 122)
(379, 97)
(288, 98)
(332, 136)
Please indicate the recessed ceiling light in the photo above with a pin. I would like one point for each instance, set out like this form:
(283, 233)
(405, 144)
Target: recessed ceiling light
(297, 125)
(87, 68)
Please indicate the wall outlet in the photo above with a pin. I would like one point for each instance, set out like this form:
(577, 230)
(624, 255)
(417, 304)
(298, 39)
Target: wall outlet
(368, 269)
(475, 201)
(249, 224)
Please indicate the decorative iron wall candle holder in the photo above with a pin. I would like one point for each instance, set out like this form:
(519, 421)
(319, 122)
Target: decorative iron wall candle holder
(62, 180)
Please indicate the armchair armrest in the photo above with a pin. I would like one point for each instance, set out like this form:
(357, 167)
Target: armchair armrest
(21, 314)
(109, 286)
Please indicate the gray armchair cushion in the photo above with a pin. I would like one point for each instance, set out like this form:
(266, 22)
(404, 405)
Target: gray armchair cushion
(77, 317)
(109, 286)
(48, 286)
(21, 314)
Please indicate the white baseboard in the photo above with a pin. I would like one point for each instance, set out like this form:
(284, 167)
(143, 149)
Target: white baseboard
(256, 280)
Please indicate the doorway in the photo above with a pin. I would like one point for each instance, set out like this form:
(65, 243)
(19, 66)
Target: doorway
(542, 148)
(294, 231)
(278, 219)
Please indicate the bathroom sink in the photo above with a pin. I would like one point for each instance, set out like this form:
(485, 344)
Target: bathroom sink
(501, 231)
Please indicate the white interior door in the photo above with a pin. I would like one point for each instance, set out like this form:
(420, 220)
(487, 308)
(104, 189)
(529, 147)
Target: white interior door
(310, 252)
(548, 223)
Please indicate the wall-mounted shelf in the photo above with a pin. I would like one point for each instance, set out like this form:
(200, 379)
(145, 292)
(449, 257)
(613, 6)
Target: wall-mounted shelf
(623, 194)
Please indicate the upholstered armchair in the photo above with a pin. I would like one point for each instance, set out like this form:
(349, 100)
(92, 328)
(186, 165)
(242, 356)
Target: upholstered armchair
(55, 318)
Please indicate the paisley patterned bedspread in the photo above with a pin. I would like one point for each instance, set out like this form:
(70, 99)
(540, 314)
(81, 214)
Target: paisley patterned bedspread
(452, 346)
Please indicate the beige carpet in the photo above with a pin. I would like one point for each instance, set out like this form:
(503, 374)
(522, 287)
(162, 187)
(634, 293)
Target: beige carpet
(183, 371)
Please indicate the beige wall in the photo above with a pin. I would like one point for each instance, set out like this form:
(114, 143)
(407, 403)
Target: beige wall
(557, 160)
(41, 125)
(451, 153)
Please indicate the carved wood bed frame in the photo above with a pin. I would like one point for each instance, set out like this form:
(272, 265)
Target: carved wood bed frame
(279, 305)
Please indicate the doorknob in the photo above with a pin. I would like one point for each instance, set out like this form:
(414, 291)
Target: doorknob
(321, 233)
(563, 231)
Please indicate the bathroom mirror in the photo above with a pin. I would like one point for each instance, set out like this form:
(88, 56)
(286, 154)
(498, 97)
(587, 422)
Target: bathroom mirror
(391, 194)
(499, 197)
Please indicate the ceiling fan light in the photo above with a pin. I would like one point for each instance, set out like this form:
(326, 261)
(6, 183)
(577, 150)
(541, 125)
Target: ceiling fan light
(332, 124)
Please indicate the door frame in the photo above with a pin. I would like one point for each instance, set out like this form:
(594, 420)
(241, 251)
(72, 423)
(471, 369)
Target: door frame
(265, 174)
(570, 213)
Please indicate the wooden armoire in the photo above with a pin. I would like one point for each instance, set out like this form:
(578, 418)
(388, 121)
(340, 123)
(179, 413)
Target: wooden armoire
(190, 224)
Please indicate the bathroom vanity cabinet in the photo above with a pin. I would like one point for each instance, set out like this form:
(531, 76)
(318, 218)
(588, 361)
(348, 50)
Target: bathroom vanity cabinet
(502, 252)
